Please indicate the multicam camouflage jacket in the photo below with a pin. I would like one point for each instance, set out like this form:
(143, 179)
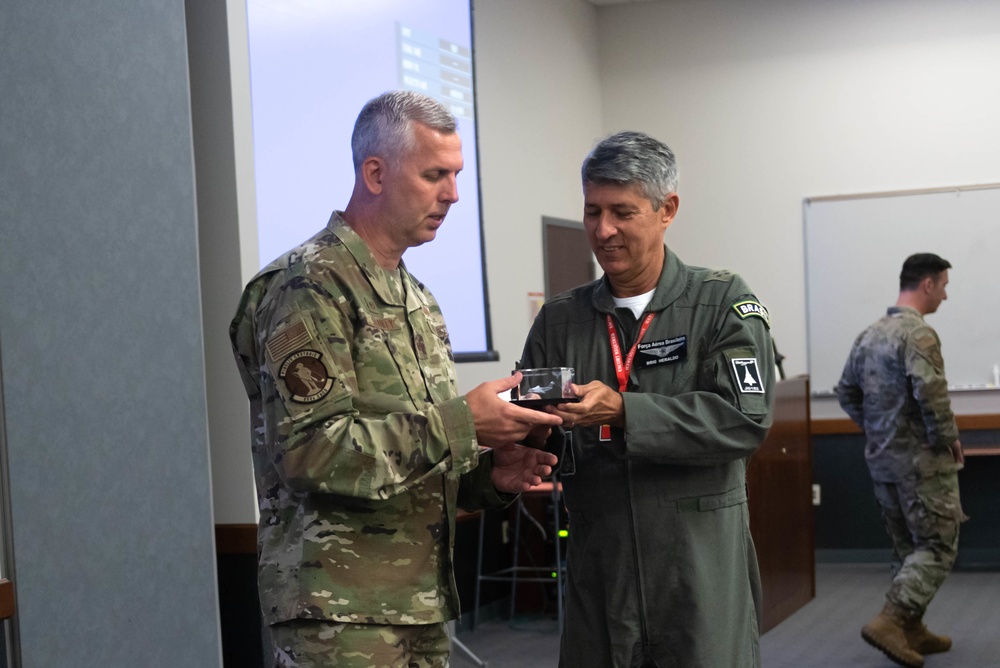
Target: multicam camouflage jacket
(362, 449)
(893, 386)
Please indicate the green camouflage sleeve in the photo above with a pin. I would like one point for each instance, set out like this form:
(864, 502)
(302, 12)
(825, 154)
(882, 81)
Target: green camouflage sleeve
(849, 392)
(925, 367)
(361, 399)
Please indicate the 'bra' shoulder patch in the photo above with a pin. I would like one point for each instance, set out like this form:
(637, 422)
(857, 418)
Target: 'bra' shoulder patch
(749, 307)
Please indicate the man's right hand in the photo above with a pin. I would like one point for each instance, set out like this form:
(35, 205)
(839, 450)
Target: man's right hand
(958, 454)
(498, 422)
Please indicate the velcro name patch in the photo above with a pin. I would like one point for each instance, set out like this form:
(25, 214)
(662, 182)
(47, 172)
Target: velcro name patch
(663, 351)
(385, 324)
(284, 341)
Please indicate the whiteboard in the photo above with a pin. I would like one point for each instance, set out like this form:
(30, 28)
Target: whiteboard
(854, 249)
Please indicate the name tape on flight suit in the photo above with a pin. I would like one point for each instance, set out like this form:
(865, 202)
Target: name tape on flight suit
(663, 351)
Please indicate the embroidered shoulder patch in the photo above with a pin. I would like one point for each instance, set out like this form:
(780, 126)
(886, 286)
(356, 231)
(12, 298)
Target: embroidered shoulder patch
(749, 307)
(305, 376)
(302, 370)
(286, 340)
(928, 347)
(748, 375)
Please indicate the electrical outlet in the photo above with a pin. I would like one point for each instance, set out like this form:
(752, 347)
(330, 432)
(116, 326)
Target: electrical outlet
(505, 532)
(816, 495)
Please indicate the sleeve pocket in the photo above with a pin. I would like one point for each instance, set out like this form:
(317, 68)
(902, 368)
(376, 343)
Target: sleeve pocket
(302, 367)
(745, 377)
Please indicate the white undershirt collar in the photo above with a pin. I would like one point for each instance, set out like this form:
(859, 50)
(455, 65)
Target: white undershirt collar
(635, 304)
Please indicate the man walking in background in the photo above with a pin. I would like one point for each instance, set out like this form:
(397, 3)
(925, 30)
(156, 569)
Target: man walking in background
(893, 386)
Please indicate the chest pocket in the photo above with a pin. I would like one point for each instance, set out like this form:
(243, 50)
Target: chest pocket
(400, 356)
(430, 340)
(383, 359)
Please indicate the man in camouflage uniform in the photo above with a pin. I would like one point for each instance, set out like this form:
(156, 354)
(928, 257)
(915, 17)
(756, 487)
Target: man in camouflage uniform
(894, 388)
(362, 449)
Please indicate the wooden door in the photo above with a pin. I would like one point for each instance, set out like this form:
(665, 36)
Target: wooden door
(569, 262)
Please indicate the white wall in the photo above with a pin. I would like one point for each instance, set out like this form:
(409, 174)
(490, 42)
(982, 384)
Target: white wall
(769, 102)
(539, 106)
(765, 103)
(223, 143)
(539, 112)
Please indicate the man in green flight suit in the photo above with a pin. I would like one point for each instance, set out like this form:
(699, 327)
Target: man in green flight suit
(363, 451)
(893, 386)
(677, 372)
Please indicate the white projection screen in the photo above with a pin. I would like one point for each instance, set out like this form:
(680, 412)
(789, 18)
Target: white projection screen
(313, 65)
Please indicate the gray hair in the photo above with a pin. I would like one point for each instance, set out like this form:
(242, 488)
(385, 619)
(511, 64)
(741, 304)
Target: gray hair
(384, 125)
(633, 158)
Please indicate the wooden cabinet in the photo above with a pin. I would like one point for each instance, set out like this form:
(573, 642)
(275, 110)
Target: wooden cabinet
(779, 484)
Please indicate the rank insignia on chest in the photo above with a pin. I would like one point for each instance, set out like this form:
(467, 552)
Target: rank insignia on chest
(748, 375)
(664, 351)
(305, 376)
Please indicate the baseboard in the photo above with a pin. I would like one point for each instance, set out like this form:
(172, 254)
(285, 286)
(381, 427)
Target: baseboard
(968, 559)
(879, 556)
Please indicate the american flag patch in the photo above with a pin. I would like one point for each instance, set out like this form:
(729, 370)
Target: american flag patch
(287, 340)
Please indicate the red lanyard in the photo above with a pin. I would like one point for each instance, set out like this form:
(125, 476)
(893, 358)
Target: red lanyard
(622, 368)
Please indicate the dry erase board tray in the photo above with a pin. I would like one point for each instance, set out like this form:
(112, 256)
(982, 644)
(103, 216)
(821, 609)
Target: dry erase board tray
(539, 403)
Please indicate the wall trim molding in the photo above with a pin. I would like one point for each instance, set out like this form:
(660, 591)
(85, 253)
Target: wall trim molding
(847, 426)
(236, 539)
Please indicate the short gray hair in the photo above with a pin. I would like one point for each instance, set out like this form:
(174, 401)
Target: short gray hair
(633, 158)
(383, 127)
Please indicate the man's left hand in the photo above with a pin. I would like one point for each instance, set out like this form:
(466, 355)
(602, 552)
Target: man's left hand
(599, 404)
(518, 468)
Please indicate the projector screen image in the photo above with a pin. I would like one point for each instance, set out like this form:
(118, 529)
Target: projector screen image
(313, 65)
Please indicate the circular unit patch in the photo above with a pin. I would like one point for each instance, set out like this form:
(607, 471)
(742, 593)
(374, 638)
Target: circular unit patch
(305, 376)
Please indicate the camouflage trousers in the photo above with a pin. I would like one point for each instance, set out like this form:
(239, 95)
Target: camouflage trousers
(922, 516)
(306, 643)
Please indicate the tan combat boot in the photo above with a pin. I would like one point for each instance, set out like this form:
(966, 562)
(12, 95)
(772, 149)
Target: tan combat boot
(885, 632)
(922, 640)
